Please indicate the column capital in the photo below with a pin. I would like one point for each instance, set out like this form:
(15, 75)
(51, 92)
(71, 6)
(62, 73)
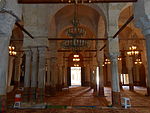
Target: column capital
(114, 56)
(34, 49)
(42, 50)
(27, 51)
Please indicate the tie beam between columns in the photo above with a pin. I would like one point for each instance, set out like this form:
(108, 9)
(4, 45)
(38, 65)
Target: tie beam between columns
(120, 30)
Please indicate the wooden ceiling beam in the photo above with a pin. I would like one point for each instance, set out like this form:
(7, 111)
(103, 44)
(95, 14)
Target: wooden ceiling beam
(66, 1)
(78, 50)
(77, 38)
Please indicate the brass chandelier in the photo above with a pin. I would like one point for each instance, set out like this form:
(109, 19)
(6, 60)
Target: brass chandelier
(76, 33)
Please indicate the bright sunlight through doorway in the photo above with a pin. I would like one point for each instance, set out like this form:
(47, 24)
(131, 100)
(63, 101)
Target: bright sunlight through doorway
(75, 76)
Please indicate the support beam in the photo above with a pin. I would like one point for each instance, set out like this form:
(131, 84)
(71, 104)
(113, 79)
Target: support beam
(77, 50)
(77, 39)
(120, 30)
(66, 1)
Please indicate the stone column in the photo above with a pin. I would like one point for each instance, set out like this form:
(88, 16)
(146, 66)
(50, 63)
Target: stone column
(63, 76)
(94, 79)
(18, 61)
(113, 54)
(60, 74)
(120, 72)
(6, 25)
(116, 99)
(53, 75)
(10, 71)
(34, 74)
(4, 42)
(100, 60)
(142, 21)
(130, 66)
(48, 84)
(148, 62)
(27, 76)
(41, 74)
(101, 79)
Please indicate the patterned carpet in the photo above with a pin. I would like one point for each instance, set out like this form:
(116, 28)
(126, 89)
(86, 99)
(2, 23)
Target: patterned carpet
(82, 96)
(76, 111)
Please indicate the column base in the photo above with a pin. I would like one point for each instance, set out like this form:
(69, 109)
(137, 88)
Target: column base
(116, 99)
(3, 105)
(101, 91)
(40, 95)
(26, 95)
(148, 91)
(131, 87)
(33, 95)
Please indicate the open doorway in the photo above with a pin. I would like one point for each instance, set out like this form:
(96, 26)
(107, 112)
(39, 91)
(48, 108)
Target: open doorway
(75, 76)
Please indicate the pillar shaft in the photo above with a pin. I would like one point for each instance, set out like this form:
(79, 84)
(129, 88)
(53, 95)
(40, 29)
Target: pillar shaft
(34, 74)
(130, 66)
(18, 61)
(101, 80)
(148, 62)
(41, 74)
(41, 71)
(10, 72)
(116, 99)
(27, 68)
(4, 42)
(27, 76)
(34, 68)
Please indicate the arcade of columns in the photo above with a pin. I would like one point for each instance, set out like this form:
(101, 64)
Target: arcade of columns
(36, 57)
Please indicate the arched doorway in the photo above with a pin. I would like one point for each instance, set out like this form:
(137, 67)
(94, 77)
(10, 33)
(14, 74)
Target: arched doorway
(76, 70)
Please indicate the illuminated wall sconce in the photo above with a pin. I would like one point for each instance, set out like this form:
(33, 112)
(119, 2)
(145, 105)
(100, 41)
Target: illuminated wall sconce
(138, 61)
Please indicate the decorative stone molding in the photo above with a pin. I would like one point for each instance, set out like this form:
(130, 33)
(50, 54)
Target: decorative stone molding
(113, 57)
(27, 68)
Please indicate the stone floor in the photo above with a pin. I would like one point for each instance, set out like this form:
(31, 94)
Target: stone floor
(80, 98)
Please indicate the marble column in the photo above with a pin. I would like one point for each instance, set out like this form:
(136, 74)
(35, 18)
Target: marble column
(142, 21)
(4, 42)
(147, 37)
(18, 61)
(60, 74)
(94, 79)
(116, 98)
(27, 76)
(101, 79)
(130, 66)
(120, 72)
(41, 74)
(10, 72)
(53, 75)
(34, 74)
(6, 25)
(48, 84)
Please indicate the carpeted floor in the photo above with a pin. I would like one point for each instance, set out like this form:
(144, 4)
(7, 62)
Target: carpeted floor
(83, 96)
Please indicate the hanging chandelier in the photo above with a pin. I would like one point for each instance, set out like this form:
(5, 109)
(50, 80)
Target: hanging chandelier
(133, 51)
(75, 32)
(12, 51)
